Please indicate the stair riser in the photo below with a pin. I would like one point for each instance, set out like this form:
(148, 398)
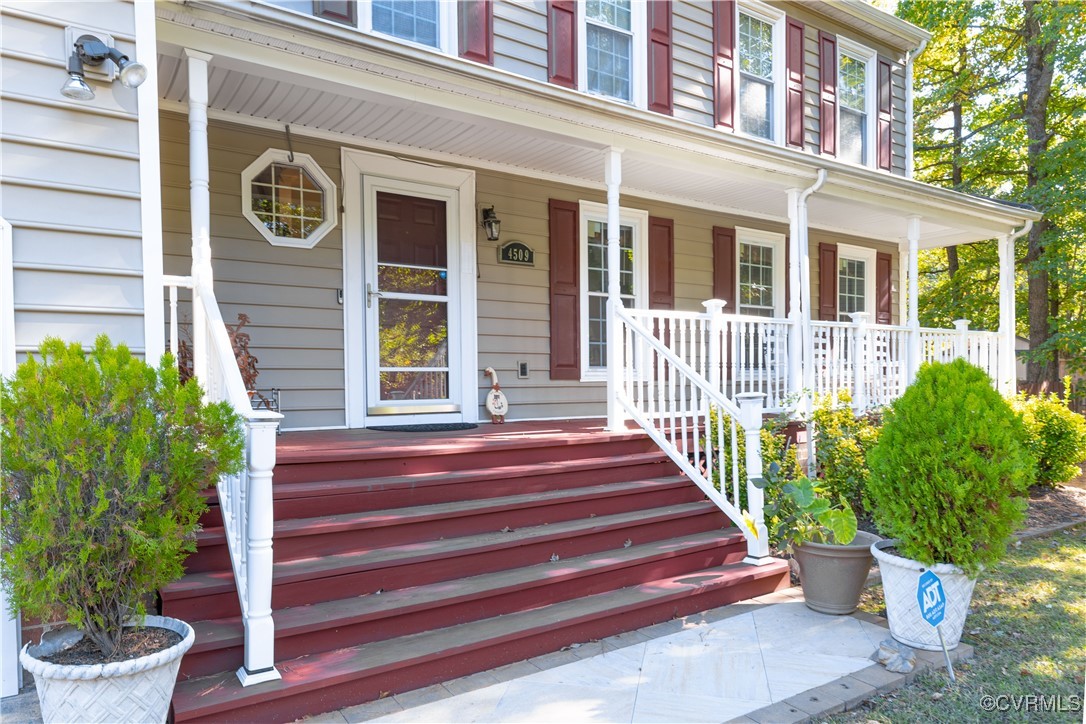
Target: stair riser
(215, 556)
(495, 653)
(419, 572)
(521, 598)
(488, 456)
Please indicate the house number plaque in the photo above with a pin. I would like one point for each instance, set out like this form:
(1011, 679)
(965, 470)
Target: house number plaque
(516, 252)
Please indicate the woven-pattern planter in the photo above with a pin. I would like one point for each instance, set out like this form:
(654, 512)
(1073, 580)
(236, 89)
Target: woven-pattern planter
(899, 580)
(136, 690)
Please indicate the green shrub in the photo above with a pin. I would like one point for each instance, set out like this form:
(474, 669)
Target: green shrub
(842, 444)
(104, 458)
(1055, 435)
(950, 469)
(774, 450)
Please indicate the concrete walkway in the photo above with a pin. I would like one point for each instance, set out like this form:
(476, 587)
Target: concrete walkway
(769, 659)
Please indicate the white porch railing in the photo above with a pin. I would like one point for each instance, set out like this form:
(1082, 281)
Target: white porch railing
(684, 411)
(870, 361)
(945, 345)
(245, 499)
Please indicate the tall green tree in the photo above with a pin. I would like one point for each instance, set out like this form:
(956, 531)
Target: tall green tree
(1000, 103)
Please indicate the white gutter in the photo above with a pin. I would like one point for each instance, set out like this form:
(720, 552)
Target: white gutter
(799, 277)
(910, 56)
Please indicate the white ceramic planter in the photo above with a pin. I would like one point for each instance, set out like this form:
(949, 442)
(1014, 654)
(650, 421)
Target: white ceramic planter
(136, 690)
(899, 581)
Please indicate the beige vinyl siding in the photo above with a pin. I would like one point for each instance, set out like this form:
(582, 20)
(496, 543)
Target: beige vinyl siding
(812, 91)
(816, 237)
(692, 61)
(290, 295)
(71, 182)
(897, 126)
(520, 37)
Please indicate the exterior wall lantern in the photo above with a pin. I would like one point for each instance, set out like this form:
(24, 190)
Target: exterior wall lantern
(89, 50)
(492, 224)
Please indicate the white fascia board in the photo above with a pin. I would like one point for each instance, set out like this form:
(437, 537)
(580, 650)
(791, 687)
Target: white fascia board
(911, 35)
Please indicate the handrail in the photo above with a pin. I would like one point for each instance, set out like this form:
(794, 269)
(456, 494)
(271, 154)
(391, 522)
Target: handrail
(655, 386)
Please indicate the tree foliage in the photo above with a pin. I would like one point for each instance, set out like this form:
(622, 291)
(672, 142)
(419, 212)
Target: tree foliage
(1001, 112)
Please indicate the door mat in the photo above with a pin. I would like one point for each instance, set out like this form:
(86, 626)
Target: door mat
(434, 427)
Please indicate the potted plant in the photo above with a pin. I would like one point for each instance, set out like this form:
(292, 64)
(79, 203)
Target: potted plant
(833, 557)
(948, 481)
(104, 460)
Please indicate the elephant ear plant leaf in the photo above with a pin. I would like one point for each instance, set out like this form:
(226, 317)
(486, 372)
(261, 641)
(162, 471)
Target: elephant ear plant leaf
(104, 461)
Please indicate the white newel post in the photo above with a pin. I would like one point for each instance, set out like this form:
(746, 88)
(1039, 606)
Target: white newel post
(613, 178)
(715, 309)
(1008, 372)
(913, 240)
(861, 365)
(199, 205)
(750, 417)
(259, 626)
(961, 339)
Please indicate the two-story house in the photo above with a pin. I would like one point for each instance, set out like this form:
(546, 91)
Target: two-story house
(401, 193)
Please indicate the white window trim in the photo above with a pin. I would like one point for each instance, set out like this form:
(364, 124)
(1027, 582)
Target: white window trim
(274, 155)
(638, 61)
(639, 221)
(869, 257)
(776, 18)
(446, 30)
(870, 58)
(771, 239)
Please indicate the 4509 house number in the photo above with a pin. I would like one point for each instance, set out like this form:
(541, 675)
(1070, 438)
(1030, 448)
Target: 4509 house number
(516, 252)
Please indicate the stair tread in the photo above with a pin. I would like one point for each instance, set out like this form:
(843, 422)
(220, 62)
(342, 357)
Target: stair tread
(296, 620)
(394, 516)
(414, 480)
(206, 695)
(201, 583)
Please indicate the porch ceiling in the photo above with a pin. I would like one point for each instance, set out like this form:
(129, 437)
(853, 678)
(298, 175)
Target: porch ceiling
(367, 101)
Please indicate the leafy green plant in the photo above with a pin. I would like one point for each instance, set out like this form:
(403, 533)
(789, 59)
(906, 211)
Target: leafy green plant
(775, 450)
(104, 460)
(1055, 435)
(842, 443)
(950, 470)
(799, 512)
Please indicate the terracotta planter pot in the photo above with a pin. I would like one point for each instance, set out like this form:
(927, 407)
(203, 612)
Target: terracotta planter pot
(899, 581)
(136, 690)
(833, 576)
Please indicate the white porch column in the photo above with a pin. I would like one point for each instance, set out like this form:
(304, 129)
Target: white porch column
(1008, 371)
(616, 420)
(796, 236)
(913, 240)
(199, 204)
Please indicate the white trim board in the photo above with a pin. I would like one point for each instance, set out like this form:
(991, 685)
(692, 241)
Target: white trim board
(154, 313)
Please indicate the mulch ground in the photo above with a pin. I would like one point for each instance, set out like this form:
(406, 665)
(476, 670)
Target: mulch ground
(134, 643)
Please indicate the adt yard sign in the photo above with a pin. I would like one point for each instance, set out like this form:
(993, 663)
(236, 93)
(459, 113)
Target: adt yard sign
(930, 596)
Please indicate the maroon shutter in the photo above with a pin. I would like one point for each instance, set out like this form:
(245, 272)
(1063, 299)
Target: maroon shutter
(660, 56)
(884, 299)
(562, 43)
(339, 11)
(886, 114)
(793, 85)
(565, 290)
(477, 30)
(827, 282)
(724, 276)
(661, 263)
(724, 63)
(827, 81)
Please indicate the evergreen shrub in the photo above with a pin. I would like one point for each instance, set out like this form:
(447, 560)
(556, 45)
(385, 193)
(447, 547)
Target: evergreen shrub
(951, 469)
(104, 458)
(1055, 435)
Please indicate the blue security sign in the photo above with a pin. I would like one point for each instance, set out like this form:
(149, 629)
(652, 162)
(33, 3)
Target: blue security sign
(932, 599)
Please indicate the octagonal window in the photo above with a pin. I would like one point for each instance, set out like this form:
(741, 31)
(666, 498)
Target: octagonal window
(290, 202)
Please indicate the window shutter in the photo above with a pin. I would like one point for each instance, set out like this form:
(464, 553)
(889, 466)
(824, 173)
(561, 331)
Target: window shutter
(565, 290)
(477, 30)
(793, 85)
(659, 79)
(724, 276)
(661, 263)
(886, 113)
(562, 43)
(827, 282)
(724, 63)
(827, 73)
(884, 298)
(339, 11)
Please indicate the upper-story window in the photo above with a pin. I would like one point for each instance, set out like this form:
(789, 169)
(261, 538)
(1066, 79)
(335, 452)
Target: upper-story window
(759, 41)
(429, 23)
(612, 58)
(414, 20)
(855, 84)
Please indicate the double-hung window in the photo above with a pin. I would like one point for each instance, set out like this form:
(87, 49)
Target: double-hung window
(613, 59)
(633, 278)
(428, 23)
(855, 86)
(761, 65)
(761, 273)
(855, 281)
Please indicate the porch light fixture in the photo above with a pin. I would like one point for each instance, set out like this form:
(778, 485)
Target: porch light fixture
(89, 50)
(492, 224)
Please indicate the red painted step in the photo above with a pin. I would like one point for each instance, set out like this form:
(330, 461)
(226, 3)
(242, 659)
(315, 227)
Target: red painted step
(330, 680)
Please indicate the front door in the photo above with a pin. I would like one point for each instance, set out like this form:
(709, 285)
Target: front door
(411, 322)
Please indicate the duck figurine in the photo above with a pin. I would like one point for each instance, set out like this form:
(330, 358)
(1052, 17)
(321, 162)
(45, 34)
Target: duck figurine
(496, 404)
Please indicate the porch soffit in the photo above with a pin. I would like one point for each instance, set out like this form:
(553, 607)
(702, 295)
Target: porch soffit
(498, 130)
